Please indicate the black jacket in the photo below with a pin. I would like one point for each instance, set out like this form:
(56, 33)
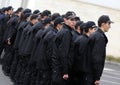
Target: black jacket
(98, 41)
(46, 51)
(1, 27)
(82, 59)
(37, 50)
(75, 34)
(22, 25)
(62, 57)
(12, 28)
(37, 40)
(31, 33)
(42, 63)
(24, 38)
(4, 27)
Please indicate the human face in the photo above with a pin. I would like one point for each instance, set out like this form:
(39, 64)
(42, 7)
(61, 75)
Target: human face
(106, 26)
(45, 17)
(59, 26)
(28, 19)
(71, 22)
(78, 29)
(35, 21)
(10, 11)
(20, 14)
(92, 30)
(47, 25)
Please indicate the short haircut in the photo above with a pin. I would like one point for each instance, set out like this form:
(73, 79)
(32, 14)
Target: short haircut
(34, 16)
(78, 24)
(104, 19)
(54, 16)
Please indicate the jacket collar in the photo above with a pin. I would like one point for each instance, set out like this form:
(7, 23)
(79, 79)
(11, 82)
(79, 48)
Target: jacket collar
(85, 35)
(100, 31)
(76, 32)
(67, 27)
(55, 29)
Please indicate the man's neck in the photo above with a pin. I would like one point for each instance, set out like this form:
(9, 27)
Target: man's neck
(33, 22)
(88, 34)
(78, 30)
(69, 26)
(57, 28)
(102, 29)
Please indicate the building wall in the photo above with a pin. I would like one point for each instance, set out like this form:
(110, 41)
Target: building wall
(14, 3)
(106, 3)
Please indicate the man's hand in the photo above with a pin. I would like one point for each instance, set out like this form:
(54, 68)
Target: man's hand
(8, 41)
(65, 76)
(97, 82)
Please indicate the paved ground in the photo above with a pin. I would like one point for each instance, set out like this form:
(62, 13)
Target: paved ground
(111, 76)
(3, 79)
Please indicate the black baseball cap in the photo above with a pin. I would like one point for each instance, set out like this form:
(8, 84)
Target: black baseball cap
(90, 24)
(79, 23)
(70, 15)
(104, 19)
(10, 8)
(58, 20)
(82, 26)
(36, 12)
(46, 13)
(20, 9)
(4, 9)
(46, 21)
(26, 16)
(33, 16)
(27, 11)
(77, 18)
(54, 16)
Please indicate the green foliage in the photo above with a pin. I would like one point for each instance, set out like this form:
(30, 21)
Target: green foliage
(112, 58)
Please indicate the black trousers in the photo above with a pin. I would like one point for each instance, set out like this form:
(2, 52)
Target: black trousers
(43, 78)
(82, 78)
(1, 51)
(57, 78)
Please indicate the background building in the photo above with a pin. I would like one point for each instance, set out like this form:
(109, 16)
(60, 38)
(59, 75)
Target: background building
(86, 9)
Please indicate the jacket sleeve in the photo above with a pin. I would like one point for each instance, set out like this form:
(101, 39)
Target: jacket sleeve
(64, 50)
(98, 57)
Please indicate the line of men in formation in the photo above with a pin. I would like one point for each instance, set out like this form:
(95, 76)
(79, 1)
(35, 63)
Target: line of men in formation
(44, 49)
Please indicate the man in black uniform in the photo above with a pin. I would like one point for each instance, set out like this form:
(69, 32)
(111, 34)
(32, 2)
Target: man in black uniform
(81, 65)
(45, 54)
(45, 14)
(3, 30)
(53, 17)
(15, 63)
(78, 30)
(98, 41)
(2, 15)
(24, 57)
(29, 74)
(62, 59)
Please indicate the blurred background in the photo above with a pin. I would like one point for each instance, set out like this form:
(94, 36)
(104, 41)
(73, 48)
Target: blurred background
(86, 9)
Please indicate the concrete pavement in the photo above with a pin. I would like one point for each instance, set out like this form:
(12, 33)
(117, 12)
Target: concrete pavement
(111, 76)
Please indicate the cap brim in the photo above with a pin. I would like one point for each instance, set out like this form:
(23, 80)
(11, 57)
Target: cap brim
(71, 17)
(110, 22)
(94, 26)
